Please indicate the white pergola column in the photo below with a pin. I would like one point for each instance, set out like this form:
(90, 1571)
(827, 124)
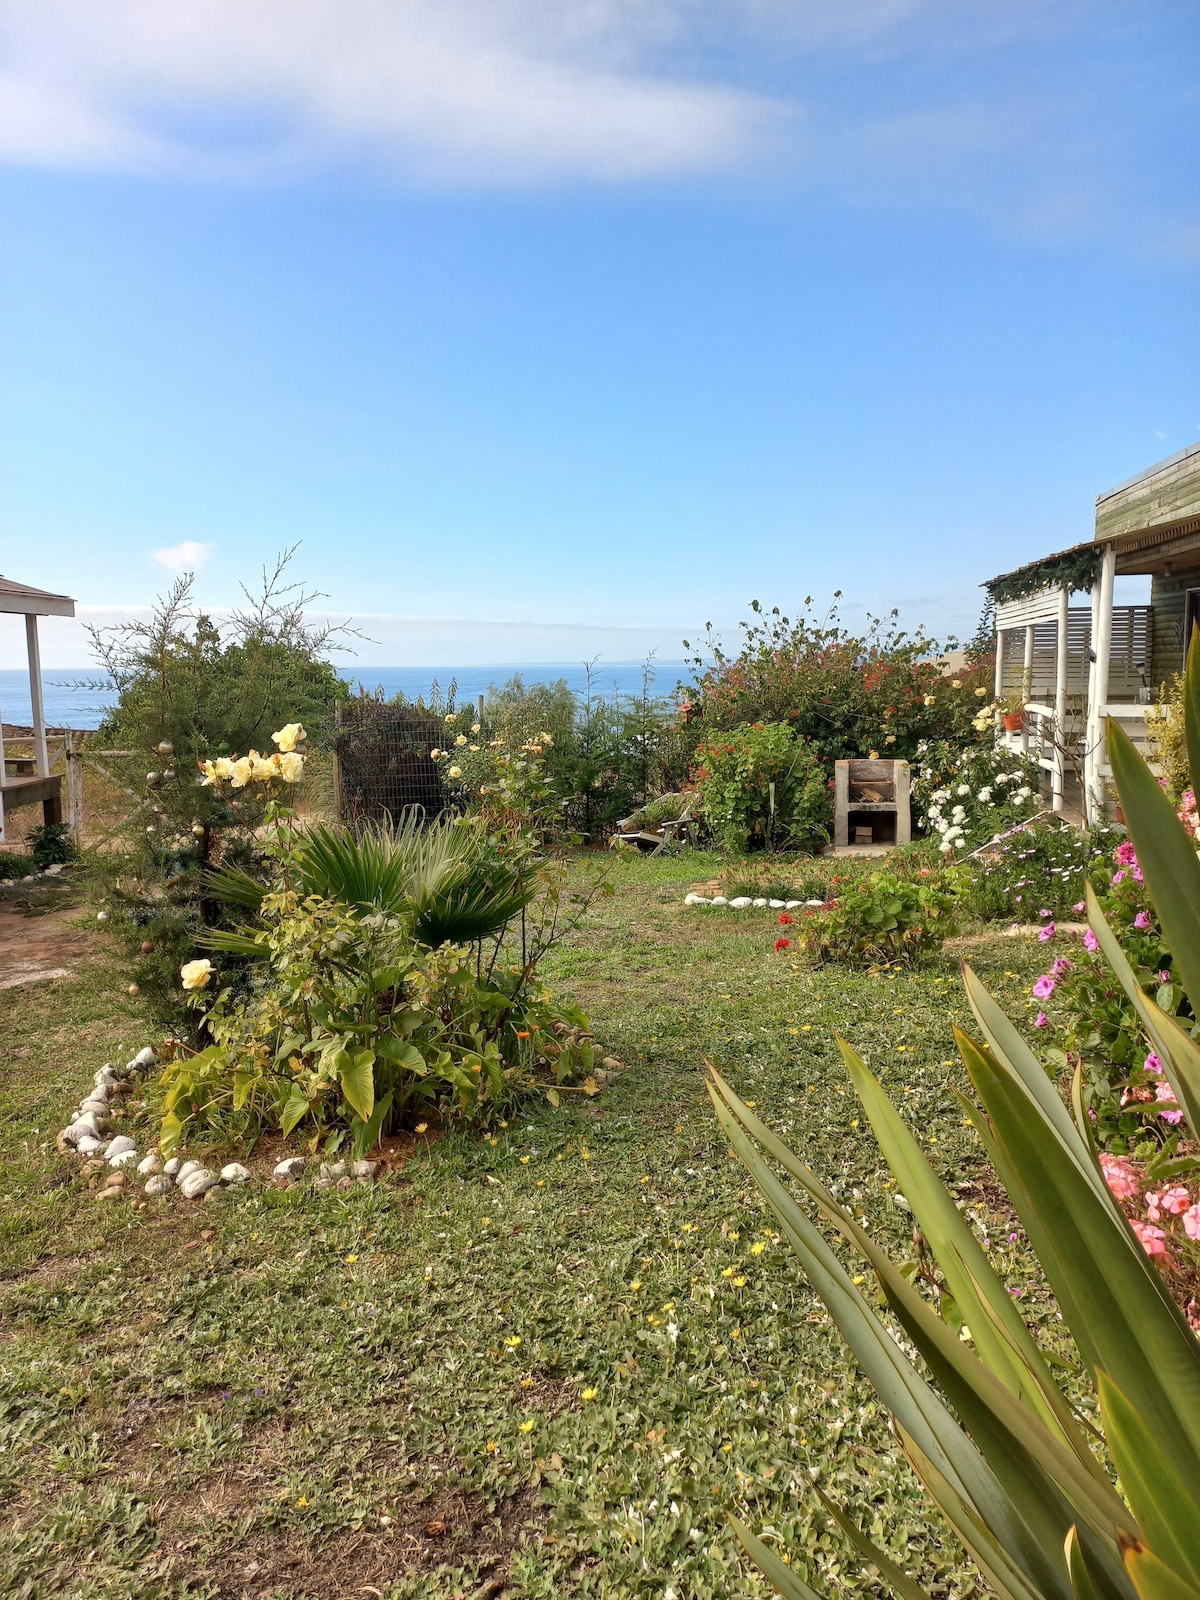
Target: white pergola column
(1059, 775)
(1102, 609)
(1026, 683)
(999, 662)
(35, 697)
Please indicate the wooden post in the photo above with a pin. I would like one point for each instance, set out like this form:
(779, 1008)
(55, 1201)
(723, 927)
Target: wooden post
(903, 810)
(841, 804)
(337, 763)
(74, 788)
(1058, 777)
(479, 708)
(35, 697)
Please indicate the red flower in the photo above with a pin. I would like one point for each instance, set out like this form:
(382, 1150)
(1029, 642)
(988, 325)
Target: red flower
(781, 944)
(785, 919)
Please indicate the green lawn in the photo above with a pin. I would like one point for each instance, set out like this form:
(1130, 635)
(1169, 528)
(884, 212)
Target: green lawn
(547, 1361)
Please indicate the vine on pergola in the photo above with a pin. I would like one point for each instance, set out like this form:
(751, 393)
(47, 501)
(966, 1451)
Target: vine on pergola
(1073, 570)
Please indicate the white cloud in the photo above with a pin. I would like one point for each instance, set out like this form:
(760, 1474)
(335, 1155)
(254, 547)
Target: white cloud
(190, 556)
(448, 90)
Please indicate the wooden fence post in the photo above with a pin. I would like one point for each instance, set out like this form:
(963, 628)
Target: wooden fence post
(74, 760)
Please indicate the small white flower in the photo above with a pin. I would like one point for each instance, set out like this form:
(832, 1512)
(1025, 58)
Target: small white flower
(963, 789)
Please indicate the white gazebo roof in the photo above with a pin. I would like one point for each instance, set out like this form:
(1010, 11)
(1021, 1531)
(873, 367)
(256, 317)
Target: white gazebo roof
(25, 601)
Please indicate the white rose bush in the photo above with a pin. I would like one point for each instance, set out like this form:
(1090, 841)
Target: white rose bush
(973, 796)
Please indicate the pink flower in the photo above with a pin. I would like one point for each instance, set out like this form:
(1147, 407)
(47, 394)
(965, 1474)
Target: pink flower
(1045, 912)
(1174, 1201)
(1041, 1020)
(1047, 932)
(1061, 967)
(1080, 906)
(1164, 976)
(1120, 1176)
(1126, 855)
(1153, 1240)
(1165, 1096)
(1141, 920)
(1090, 941)
(1152, 1063)
(1119, 877)
(1191, 1222)
(1044, 987)
(1152, 1208)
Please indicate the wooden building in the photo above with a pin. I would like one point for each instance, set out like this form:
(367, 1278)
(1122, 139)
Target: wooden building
(1076, 666)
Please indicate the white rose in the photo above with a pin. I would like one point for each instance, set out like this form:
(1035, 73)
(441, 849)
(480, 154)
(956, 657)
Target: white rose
(289, 737)
(195, 974)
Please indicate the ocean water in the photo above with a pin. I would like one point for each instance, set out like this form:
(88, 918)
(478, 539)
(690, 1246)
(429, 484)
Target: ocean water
(75, 698)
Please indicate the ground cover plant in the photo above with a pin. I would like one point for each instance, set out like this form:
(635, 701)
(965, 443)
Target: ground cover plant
(550, 1357)
(1035, 873)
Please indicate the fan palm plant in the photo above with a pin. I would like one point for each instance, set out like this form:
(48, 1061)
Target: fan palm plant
(444, 880)
(1024, 1483)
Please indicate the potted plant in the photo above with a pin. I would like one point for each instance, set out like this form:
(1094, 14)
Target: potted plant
(1012, 709)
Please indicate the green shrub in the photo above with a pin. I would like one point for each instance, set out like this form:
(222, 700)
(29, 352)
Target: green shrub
(883, 917)
(763, 787)
(849, 693)
(1039, 872)
(51, 844)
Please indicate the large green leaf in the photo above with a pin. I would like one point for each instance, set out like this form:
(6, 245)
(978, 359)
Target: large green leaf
(777, 1572)
(1122, 1318)
(1022, 1481)
(355, 1070)
(1166, 1505)
(295, 1107)
(1153, 1579)
(1001, 1339)
(1166, 856)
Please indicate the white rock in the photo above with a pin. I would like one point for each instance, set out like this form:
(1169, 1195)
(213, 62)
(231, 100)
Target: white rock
(106, 1077)
(198, 1182)
(790, 905)
(718, 900)
(149, 1164)
(776, 905)
(323, 1183)
(333, 1169)
(186, 1170)
(159, 1185)
(144, 1058)
(235, 1173)
(291, 1168)
(814, 902)
(740, 902)
(81, 1128)
(88, 1146)
(172, 1168)
(119, 1144)
(694, 900)
(363, 1169)
(760, 901)
(53, 870)
(123, 1158)
(93, 1106)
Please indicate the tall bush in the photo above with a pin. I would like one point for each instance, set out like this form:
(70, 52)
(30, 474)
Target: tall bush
(879, 689)
(761, 786)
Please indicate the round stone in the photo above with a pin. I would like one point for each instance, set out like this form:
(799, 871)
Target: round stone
(88, 1146)
(160, 1184)
(149, 1164)
(333, 1169)
(186, 1170)
(292, 1167)
(198, 1182)
(123, 1158)
(172, 1167)
(363, 1169)
(740, 902)
(718, 900)
(776, 905)
(759, 901)
(235, 1173)
(145, 1057)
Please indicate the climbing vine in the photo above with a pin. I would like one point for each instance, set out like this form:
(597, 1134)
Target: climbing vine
(1073, 570)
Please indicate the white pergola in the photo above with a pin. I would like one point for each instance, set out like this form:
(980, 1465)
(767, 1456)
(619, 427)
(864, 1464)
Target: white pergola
(19, 599)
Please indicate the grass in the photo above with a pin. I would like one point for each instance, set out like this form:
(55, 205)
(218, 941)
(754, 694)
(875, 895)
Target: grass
(547, 1361)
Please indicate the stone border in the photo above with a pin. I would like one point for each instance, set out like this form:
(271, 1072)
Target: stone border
(89, 1135)
(742, 901)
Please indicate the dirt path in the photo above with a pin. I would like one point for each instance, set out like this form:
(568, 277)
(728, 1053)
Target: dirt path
(35, 948)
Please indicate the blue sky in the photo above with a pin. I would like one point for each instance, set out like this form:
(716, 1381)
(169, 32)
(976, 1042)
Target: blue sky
(559, 329)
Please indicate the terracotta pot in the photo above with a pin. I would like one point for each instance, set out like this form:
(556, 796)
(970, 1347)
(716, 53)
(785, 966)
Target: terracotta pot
(1013, 721)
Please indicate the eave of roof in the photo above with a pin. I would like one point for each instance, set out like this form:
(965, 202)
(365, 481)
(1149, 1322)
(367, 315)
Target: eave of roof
(21, 599)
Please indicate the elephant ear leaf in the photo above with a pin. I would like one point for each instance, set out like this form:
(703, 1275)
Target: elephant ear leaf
(356, 1074)
(294, 1108)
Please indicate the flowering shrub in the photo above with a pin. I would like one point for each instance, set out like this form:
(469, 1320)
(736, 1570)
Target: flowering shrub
(1039, 871)
(883, 917)
(351, 1020)
(503, 779)
(975, 794)
(1164, 1214)
(848, 693)
(1087, 1015)
(760, 785)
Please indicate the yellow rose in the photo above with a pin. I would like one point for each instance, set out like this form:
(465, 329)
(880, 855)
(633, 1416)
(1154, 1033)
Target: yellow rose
(435, 753)
(476, 727)
(209, 774)
(956, 683)
(239, 772)
(223, 767)
(461, 740)
(289, 737)
(456, 772)
(981, 691)
(195, 974)
(291, 766)
(263, 768)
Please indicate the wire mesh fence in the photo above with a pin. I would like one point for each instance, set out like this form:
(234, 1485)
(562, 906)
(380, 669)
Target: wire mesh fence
(382, 761)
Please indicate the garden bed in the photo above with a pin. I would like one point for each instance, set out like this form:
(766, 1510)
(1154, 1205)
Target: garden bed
(575, 1340)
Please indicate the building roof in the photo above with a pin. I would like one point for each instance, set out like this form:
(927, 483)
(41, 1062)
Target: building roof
(26, 601)
(1150, 472)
